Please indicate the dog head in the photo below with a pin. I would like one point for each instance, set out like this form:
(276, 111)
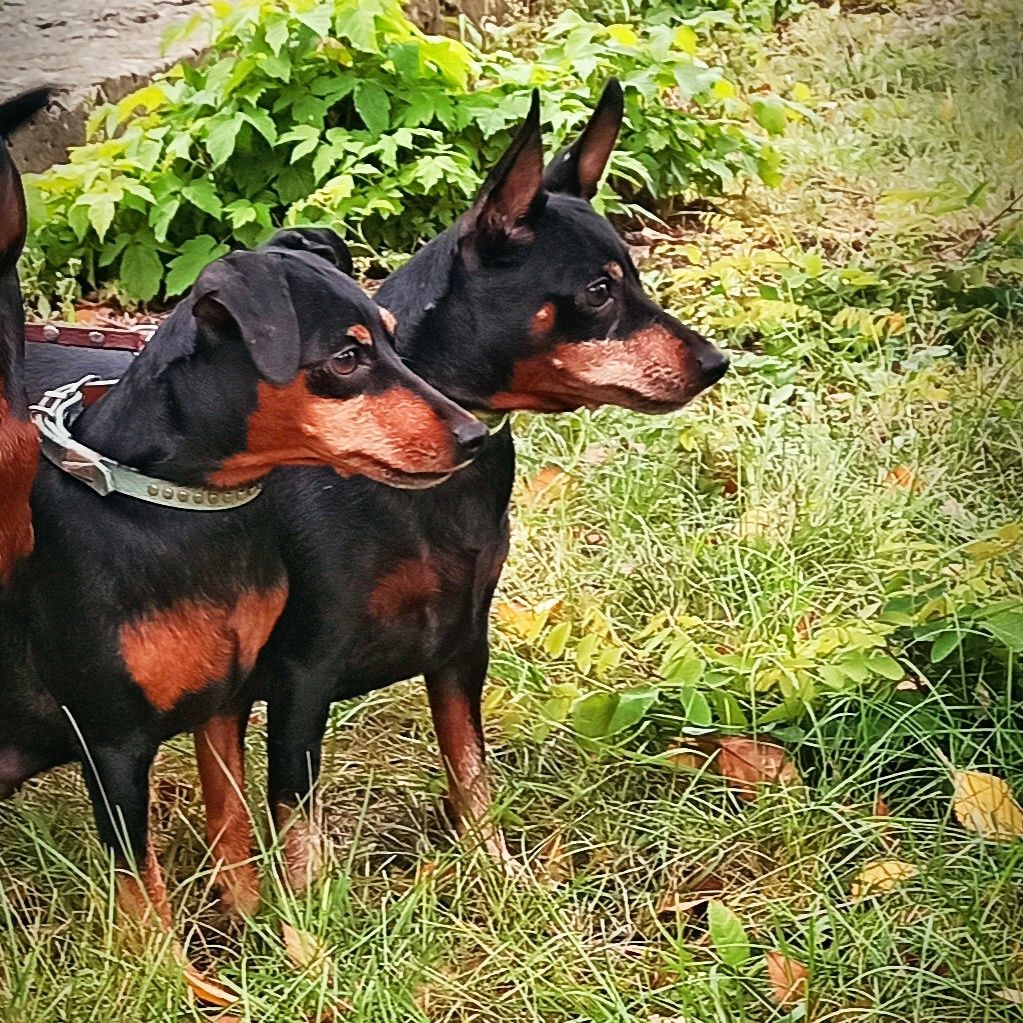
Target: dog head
(535, 301)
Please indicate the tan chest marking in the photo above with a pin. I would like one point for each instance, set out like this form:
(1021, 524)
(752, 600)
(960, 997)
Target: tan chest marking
(193, 644)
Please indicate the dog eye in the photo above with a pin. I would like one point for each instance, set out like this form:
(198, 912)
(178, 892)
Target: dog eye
(344, 362)
(598, 294)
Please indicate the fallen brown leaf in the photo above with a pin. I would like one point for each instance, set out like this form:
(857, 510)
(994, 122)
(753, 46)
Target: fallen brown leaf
(433, 872)
(985, 804)
(788, 980)
(748, 763)
(902, 477)
(555, 860)
(548, 485)
(689, 895)
(208, 992)
(691, 759)
(303, 948)
(1010, 995)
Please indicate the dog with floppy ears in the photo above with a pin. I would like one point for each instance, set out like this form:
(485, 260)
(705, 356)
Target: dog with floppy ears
(124, 621)
(530, 301)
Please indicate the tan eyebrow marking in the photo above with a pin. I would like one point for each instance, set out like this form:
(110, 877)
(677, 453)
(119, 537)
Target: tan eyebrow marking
(615, 270)
(360, 332)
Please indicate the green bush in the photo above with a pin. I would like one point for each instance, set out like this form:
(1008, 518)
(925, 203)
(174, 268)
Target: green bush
(343, 112)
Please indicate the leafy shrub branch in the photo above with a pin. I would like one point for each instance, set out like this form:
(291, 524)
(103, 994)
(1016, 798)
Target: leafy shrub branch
(344, 112)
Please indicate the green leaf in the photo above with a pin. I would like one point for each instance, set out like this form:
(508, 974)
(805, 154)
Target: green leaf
(358, 26)
(277, 35)
(101, 214)
(160, 218)
(309, 139)
(728, 934)
(406, 61)
(262, 122)
(600, 715)
(278, 66)
(944, 644)
(632, 707)
(729, 712)
(697, 709)
(221, 136)
(769, 113)
(373, 105)
(886, 667)
(318, 19)
(591, 716)
(141, 271)
(556, 640)
(201, 194)
(195, 255)
(1007, 628)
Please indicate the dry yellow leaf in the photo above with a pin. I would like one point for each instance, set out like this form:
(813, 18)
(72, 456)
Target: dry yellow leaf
(207, 991)
(882, 876)
(1010, 995)
(985, 804)
(303, 948)
(687, 758)
(903, 477)
(555, 859)
(525, 621)
(788, 980)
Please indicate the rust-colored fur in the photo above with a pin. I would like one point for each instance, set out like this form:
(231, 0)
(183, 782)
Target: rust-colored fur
(390, 430)
(193, 644)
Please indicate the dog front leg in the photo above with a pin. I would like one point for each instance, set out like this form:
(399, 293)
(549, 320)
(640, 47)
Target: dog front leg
(455, 693)
(296, 724)
(220, 752)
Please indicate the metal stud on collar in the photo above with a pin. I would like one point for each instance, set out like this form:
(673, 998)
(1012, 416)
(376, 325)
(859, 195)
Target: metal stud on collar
(53, 416)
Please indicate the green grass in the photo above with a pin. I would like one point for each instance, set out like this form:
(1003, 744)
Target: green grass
(752, 524)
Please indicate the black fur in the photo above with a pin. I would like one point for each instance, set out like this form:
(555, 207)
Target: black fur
(472, 307)
(464, 306)
(102, 565)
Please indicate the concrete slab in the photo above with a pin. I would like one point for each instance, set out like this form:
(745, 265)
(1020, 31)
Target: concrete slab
(92, 50)
(100, 50)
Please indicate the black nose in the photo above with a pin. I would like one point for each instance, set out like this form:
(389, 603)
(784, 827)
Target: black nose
(469, 437)
(713, 365)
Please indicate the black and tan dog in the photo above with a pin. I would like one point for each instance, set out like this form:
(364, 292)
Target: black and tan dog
(123, 621)
(529, 302)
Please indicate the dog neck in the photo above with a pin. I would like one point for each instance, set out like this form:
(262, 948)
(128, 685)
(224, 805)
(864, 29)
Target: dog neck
(436, 324)
(179, 411)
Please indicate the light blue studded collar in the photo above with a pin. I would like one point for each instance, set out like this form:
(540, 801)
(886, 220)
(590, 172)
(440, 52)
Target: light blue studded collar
(53, 416)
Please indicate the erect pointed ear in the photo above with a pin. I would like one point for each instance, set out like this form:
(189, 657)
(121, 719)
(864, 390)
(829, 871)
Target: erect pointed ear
(245, 297)
(513, 190)
(320, 241)
(578, 168)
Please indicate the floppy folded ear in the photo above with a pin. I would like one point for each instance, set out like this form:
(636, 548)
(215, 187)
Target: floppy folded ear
(321, 241)
(578, 168)
(512, 192)
(245, 296)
